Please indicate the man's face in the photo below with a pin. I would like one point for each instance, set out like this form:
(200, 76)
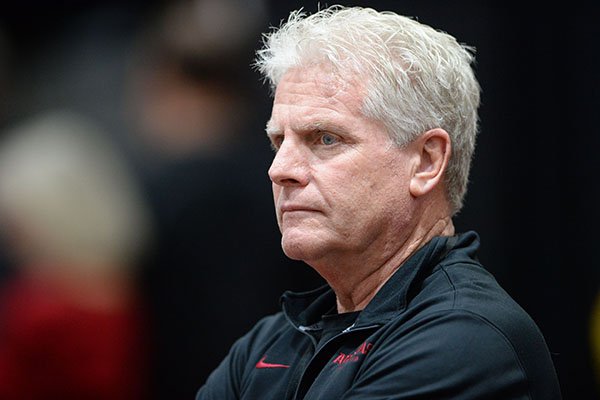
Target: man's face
(340, 186)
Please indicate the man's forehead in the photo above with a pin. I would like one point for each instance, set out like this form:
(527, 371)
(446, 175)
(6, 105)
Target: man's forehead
(323, 79)
(327, 96)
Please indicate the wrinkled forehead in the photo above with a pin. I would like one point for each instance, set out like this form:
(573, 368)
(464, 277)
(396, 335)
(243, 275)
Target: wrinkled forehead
(329, 79)
(321, 89)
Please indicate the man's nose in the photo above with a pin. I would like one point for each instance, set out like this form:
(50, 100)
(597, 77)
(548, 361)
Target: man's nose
(289, 166)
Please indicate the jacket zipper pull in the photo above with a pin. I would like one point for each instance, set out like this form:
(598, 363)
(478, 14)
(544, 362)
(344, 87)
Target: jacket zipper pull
(348, 328)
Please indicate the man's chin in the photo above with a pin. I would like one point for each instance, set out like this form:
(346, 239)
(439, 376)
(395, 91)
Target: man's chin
(295, 251)
(299, 247)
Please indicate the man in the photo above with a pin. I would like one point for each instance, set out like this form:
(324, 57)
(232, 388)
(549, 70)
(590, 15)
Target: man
(374, 122)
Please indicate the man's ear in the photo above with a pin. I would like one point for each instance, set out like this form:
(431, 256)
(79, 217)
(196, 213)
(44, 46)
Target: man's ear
(433, 149)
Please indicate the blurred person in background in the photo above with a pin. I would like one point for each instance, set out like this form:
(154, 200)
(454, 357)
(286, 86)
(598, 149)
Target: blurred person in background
(188, 95)
(73, 219)
(192, 112)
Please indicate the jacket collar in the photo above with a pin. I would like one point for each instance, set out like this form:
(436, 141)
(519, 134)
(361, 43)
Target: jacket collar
(307, 308)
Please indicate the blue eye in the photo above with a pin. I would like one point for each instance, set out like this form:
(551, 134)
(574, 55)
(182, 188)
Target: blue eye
(328, 139)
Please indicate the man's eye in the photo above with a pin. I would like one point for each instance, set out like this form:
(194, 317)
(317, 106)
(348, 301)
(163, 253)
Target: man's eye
(276, 142)
(328, 139)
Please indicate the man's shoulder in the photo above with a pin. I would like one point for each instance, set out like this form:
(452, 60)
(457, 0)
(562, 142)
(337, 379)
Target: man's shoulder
(468, 289)
(472, 289)
(460, 312)
(466, 351)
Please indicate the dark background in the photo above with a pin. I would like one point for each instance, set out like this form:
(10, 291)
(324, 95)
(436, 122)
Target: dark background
(533, 194)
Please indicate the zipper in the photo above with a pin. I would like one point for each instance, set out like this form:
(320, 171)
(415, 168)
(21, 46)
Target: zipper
(346, 331)
(305, 359)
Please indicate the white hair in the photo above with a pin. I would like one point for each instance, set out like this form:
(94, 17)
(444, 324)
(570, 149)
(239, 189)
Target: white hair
(417, 78)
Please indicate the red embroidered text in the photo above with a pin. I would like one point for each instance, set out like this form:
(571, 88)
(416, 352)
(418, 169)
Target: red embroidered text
(343, 358)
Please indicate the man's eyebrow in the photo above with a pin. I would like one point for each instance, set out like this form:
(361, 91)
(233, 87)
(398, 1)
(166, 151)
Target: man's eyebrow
(272, 129)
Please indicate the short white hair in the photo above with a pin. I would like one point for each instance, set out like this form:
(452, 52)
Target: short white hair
(417, 78)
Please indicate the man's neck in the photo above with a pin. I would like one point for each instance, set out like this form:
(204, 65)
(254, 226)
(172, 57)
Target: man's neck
(355, 290)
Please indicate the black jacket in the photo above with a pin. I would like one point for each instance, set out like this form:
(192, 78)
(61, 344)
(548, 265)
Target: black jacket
(440, 328)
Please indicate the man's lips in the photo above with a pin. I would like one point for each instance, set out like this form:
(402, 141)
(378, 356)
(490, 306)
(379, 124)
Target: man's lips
(295, 208)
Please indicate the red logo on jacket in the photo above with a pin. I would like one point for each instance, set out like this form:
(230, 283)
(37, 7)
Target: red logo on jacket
(362, 350)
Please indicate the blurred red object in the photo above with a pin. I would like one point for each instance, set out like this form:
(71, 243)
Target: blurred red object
(54, 348)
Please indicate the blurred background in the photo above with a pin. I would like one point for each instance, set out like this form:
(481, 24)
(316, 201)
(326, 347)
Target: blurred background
(138, 239)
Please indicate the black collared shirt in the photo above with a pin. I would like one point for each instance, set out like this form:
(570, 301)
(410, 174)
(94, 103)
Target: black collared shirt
(440, 328)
